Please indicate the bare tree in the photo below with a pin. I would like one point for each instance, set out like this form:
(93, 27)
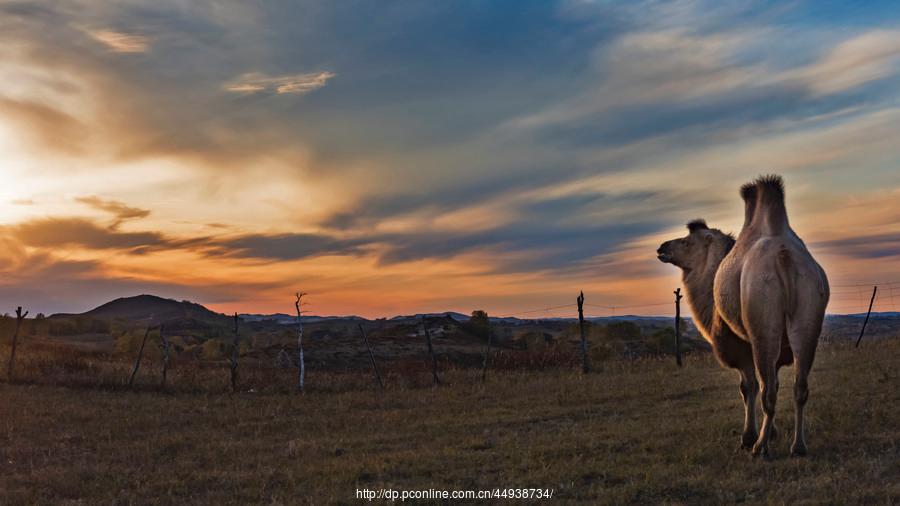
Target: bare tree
(302, 364)
(15, 340)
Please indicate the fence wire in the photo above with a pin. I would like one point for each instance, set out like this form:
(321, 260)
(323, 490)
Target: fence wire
(852, 298)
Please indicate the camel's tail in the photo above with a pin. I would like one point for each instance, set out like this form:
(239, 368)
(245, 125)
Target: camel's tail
(785, 271)
(769, 211)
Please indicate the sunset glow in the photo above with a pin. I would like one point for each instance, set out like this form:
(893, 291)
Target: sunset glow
(444, 156)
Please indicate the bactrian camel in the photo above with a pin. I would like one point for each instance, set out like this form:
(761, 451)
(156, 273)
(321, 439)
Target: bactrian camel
(760, 302)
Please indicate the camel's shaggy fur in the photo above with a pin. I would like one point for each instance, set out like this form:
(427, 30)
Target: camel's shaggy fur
(759, 300)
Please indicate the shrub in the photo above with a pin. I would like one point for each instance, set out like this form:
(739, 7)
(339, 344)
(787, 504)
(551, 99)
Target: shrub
(213, 349)
(130, 343)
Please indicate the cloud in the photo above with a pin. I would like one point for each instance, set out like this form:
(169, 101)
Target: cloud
(70, 233)
(44, 125)
(120, 210)
(885, 245)
(298, 84)
(66, 95)
(42, 281)
(682, 84)
(854, 62)
(79, 232)
(285, 246)
(121, 42)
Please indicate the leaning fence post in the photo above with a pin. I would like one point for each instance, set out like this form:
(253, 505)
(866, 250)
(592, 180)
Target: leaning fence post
(863, 329)
(678, 297)
(487, 350)
(585, 366)
(15, 340)
(137, 363)
(165, 350)
(302, 365)
(371, 356)
(434, 369)
(234, 355)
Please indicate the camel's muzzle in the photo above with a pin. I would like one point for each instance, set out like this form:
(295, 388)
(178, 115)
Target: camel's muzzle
(663, 255)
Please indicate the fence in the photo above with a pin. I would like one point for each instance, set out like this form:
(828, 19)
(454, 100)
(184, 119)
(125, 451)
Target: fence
(845, 299)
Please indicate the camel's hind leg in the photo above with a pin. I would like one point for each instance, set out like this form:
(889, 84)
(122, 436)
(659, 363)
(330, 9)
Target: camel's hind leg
(803, 340)
(765, 331)
(768, 379)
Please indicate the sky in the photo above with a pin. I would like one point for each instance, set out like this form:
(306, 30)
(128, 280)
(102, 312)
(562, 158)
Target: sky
(409, 156)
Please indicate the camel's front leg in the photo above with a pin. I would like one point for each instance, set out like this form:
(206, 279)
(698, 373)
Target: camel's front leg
(749, 391)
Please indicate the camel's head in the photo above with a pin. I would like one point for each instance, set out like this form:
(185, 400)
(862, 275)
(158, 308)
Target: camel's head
(693, 251)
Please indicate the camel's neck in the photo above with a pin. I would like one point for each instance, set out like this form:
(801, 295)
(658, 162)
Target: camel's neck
(698, 284)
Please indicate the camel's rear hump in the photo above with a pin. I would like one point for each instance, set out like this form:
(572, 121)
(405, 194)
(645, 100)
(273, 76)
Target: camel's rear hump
(769, 215)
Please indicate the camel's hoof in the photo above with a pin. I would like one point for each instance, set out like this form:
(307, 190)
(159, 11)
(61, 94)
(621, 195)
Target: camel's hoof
(748, 440)
(798, 450)
(760, 451)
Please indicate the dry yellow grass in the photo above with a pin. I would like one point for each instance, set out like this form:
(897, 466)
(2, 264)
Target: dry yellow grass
(639, 432)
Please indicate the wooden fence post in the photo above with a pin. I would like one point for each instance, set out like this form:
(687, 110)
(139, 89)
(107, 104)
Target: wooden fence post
(235, 347)
(434, 367)
(165, 350)
(15, 341)
(863, 329)
(678, 297)
(585, 365)
(487, 350)
(302, 364)
(137, 363)
(371, 356)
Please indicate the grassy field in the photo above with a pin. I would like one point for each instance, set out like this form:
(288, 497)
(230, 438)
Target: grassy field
(642, 432)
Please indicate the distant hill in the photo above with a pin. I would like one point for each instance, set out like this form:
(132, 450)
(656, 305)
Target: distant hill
(151, 308)
(130, 314)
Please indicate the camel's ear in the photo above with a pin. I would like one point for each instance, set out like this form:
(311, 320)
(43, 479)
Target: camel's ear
(696, 225)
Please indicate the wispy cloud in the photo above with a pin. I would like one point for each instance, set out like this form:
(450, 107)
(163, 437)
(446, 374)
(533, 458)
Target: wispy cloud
(120, 210)
(854, 62)
(121, 42)
(299, 84)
